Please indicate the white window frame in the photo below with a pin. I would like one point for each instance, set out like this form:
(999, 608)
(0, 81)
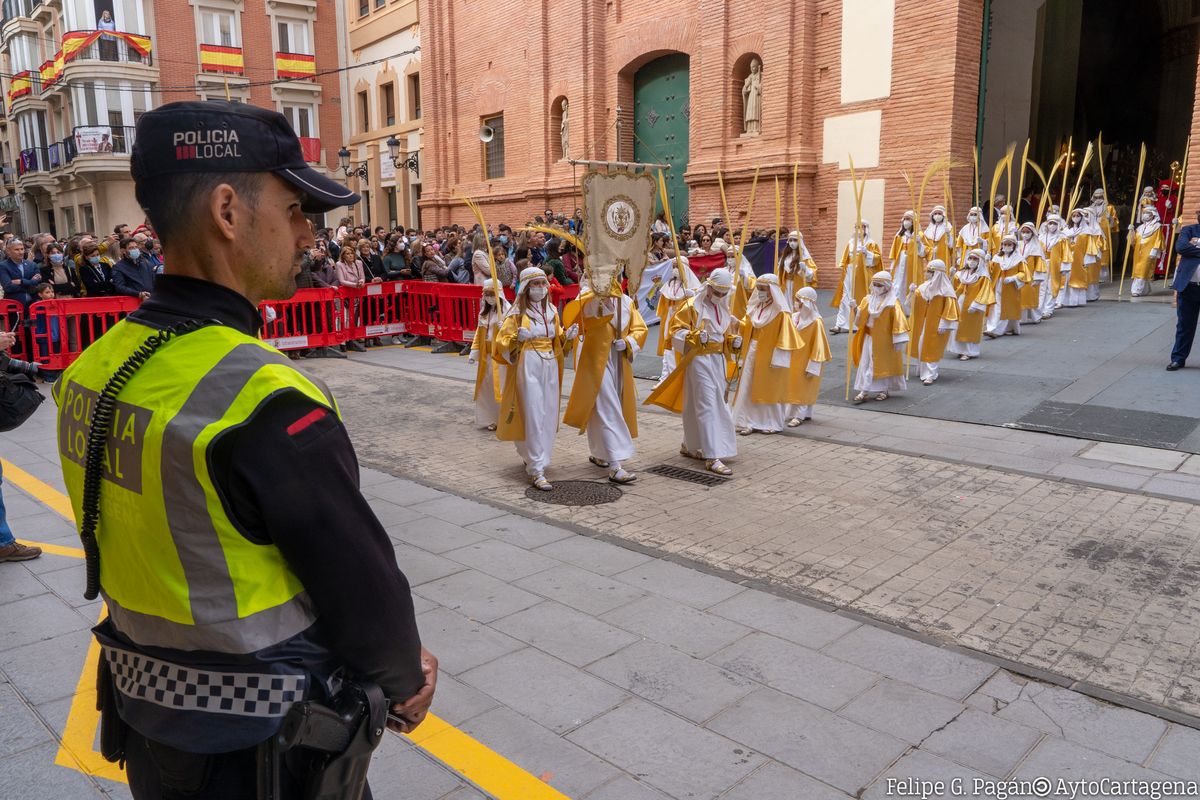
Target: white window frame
(294, 112)
(299, 32)
(208, 23)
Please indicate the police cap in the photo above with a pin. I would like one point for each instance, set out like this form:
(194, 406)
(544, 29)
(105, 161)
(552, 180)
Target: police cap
(219, 136)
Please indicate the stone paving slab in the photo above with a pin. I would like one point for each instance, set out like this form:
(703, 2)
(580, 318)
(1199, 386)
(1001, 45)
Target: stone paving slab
(648, 717)
(1065, 579)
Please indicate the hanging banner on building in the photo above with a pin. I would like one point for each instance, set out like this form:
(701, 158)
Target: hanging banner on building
(295, 65)
(215, 58)
(74, 41)
(19, 85)
(618, 207)
(93, 139)
(387, 167)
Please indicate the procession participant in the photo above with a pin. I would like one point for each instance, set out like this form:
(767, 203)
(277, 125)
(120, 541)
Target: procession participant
(531, 340)
(796, 268)
(934, 316)
(975, 296)
(1056, 250)
(1147, 247)
(603, 399)
(859, 258)
(1033, 293)
(768, 341)
(975, 235)
(1006, 225)
(1009, 276)
(903, 257)
(1083, 252)
(1099, 247)
(671, 296)
(878, 345)
(1105, 217)
(1148, 198)
(812, 356)
(489, 372)
(937, 240)
(702, 331)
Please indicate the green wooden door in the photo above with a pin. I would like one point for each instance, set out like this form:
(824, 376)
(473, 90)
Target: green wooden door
(661, 111)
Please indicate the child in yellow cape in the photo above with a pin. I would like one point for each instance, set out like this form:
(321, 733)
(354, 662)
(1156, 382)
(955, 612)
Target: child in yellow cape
(603, 398)
(878, 345)
(703, 332)
(975, 297)
(489, 374)
(532, 340)
(860, 256)
(1147, 247)
(934, 316)
(809, 360)
(768, 342)
(680, 284)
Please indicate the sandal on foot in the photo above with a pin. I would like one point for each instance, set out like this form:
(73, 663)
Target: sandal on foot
(795, 422)
(714, 465)
(621, 476)
(835, 331)
(768, 433)
(598, 462)
(881, 396)
(540, 482)
(859, 398)
(745, 431)
(492, 427)
(683, 451)
(928, 381)
(964, 357)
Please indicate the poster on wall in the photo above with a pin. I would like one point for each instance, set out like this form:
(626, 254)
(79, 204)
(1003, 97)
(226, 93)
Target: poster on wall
(387, 167)
(93, 139)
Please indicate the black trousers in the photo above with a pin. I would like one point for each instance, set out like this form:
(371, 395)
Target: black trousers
(159, 772)
(1187, 311)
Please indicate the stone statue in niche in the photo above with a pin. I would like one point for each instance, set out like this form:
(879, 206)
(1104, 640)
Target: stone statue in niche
(562, 130)
(752, 100)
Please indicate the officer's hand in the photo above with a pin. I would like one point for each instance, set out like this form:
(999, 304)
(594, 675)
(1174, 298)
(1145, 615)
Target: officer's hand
(412, 711)
(143, 295)
(7, 339)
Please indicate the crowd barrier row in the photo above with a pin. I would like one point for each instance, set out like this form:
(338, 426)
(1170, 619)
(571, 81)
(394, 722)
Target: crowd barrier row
(54, 332)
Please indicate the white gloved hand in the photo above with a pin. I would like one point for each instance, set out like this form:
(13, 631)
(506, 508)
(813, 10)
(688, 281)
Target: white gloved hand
(473, 358)
(860, 249)
(572, 331)
(737, 343)
(524, 334)
(704, 337)
(810, 273)
(619, 345)
(912, 287)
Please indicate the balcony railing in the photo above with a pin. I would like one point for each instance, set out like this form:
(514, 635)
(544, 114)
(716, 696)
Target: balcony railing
(18, 8)
(85, 140)
(114, 46)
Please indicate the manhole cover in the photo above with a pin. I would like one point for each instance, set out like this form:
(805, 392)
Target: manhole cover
(576, 493)
(689, 475)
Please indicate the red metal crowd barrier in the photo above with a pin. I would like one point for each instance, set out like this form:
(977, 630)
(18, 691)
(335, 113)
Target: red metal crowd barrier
(59, 330)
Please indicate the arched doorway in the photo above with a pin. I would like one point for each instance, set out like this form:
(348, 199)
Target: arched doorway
(661, 110)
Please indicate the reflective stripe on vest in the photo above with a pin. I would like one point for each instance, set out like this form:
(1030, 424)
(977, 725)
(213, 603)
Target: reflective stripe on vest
(175, 570)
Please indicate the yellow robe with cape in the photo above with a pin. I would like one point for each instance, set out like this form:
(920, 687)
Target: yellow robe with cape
(814, 346)
(1143, 264)
(511, 427)
(927, 316)
(592, 359)
(970, 323)
(861, 276)
(770, 384)
(669, 393)
(888, 361)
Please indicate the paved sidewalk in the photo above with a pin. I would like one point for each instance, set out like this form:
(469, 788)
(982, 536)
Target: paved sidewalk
(614, 674)
(1098, 589)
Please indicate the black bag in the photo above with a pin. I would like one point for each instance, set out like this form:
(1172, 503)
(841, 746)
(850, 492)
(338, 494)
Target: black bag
(19, 398)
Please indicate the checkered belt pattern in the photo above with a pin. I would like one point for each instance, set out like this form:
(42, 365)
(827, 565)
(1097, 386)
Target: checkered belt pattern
(170, 685)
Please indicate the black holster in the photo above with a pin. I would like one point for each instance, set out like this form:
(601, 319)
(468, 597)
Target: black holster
(113, 730)
(326, 746)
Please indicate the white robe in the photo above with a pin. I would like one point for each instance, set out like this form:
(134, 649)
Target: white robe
(538, 385)
(607, 433)
(1068, 297)
(707, 421)
(995, 325)
(758, 416)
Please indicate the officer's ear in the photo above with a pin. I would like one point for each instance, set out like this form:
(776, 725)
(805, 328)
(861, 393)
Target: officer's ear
(225, 211)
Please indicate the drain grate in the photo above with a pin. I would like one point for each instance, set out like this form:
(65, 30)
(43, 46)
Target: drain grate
(689, 475)
(576, 493)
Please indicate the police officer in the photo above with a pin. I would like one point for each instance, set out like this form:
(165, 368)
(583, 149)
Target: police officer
(242, 568)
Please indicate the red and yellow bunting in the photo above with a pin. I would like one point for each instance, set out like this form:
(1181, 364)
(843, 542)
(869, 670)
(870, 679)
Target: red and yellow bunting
(216, 58)
(295, 65)
(74, 41)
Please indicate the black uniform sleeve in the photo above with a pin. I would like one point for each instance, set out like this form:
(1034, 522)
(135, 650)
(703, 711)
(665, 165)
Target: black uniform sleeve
(290, 477)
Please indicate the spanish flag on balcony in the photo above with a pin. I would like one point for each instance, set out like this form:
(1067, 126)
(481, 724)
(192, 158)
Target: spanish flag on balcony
(19, 86)
(295, 65)
(74, 41)
(47, 73)
(138, 42)
(215, 58)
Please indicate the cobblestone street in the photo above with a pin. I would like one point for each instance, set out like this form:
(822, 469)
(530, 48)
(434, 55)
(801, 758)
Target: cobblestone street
(1098, 587)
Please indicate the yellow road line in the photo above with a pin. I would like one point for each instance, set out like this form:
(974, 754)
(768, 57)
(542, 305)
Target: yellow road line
(480, 765)
(57, 549)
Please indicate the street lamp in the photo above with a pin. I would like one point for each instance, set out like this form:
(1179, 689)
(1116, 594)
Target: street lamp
(347, 170)
(412, 162)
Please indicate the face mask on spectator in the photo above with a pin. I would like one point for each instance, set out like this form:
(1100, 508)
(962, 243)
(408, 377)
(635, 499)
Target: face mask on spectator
(503, 238)
(134, 254)
(56, 258)
(93, 260)
(538, 293)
